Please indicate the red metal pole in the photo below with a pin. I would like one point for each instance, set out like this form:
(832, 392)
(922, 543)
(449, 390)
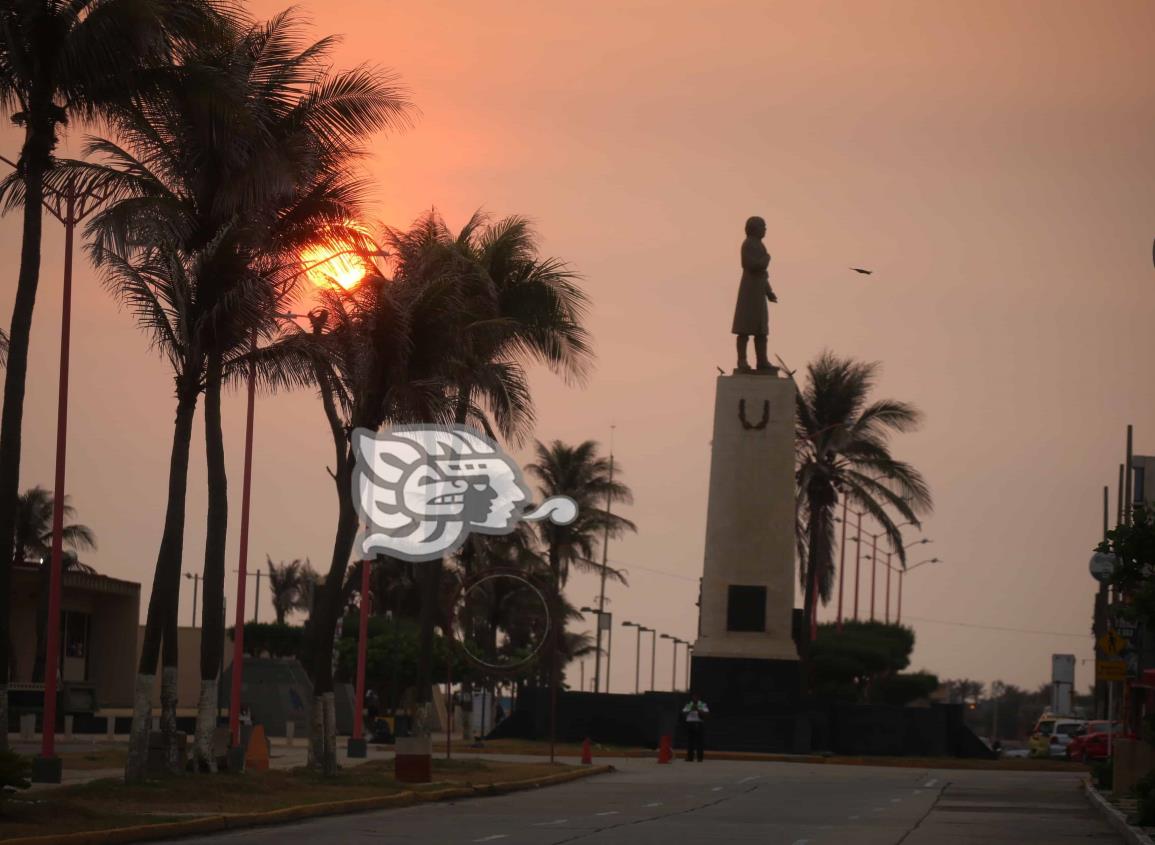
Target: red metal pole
(449, 706)
(888, 588)
(842, 563)
(362, 647)
(857, 564)
(873, 570)
(242, 566)
(52, 638)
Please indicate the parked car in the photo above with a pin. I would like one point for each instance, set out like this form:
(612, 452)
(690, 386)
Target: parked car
(1052, 734)
(1091, 742)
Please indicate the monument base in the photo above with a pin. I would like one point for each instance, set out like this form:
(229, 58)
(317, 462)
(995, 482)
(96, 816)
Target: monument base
(743, 686)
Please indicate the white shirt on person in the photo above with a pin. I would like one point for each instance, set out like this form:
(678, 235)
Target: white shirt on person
(695, 710)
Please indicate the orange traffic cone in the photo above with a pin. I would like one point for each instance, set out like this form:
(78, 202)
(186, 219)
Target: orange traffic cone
(665, 750)
(587, 754)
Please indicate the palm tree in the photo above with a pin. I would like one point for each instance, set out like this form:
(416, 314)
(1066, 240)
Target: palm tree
(279, 177)
(842, 449)
(582, 474)
(33, 542)
(63, 61)
(285, 584)
(516, 307)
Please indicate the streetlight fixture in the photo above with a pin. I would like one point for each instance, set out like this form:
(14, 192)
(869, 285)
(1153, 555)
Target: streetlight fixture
(901, 575)
(890, 568)
(605, 623)
(689, 651)
(637, 655)
(674, 660)
(196, 578)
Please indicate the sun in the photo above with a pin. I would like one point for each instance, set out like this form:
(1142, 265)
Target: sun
(335, 265)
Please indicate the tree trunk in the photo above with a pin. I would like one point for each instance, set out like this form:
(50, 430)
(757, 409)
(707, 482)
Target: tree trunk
(817, 553)
(160, 623)
(213, 584)
(323, 742)
(34, 160)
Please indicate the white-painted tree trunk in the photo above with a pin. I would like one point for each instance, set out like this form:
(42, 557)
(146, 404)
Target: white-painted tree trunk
(136, 769)
(330, 710)
(317, 733)
(3, 715)
(168, 699)
(203, 758)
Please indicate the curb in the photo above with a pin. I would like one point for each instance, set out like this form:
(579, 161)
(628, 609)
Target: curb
(1115, 817)
(240, 821)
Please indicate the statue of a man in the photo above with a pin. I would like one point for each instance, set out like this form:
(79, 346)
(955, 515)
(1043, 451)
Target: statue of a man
(751, 314)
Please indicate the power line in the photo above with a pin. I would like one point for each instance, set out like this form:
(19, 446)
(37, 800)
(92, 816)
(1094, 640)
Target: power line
(629, 566)
(999, 628)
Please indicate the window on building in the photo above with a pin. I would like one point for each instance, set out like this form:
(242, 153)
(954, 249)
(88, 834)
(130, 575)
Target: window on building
(746, 608)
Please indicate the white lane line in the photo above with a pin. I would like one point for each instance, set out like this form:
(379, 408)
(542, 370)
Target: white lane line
(855, 818)
(555, 821)
(930, 783)
(895, 800)
(747, 780)
(918, 792)
(801, 841)
(607, 813)
(716, 789)
(654, 804)
(491, 838)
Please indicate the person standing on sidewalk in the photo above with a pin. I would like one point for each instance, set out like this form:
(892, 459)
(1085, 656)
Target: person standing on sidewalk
(695, 712)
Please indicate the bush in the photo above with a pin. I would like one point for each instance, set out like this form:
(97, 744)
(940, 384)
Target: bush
(905, 687)
(14, 772)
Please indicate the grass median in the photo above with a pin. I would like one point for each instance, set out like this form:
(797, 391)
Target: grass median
(105, 804)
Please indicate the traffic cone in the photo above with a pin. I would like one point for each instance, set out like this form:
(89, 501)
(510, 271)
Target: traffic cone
(587, 754)
(665, 751)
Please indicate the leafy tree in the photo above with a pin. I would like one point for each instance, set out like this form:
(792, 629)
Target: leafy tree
(849, 665)
(286, 583)
(62, 62)
(842, 449)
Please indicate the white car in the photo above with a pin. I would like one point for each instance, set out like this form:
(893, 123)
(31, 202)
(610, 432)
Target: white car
(1052, 735)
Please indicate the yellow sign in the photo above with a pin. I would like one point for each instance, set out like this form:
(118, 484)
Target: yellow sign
(1111, 644)
(1114, 669)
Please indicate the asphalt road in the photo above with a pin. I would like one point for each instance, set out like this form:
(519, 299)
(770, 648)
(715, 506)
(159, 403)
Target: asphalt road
(738, 802)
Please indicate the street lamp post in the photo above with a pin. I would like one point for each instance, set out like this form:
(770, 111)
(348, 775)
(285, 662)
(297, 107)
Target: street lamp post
(637, 656)
(889, 568)
(196, 578)
(902, 575)
(607, 625)
(673, 661)
(653, 655)
(689, 650)
(70, 205)
(841, 564)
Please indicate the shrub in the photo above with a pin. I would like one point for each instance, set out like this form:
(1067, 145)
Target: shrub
(1103, 774)
(14, 772)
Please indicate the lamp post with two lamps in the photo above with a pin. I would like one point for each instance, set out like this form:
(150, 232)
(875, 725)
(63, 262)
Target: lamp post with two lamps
(605, 623)
(638, 654)
(674, 660)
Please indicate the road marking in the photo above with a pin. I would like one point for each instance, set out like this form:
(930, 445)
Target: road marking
(855, 818)
(555, 821)
(491, 838)
(930, 783)
(895, 800)
(716, 789)
(918, 792)
(607, 813)
(747, 780)
(801, 841)
(654, 804)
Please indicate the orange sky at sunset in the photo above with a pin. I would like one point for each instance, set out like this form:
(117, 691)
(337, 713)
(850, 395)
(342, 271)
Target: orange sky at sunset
(992, 162)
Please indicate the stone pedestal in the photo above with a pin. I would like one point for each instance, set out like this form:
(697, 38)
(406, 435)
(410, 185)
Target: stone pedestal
(745, 657)
(413, 759)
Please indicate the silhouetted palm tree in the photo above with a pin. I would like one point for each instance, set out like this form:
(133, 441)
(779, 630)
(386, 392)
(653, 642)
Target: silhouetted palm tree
(62, 61)
(582, 474)
(279, 180)
(286, 585)
(842, 449)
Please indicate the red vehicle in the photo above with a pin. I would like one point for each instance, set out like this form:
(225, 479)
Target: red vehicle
(1091, 743)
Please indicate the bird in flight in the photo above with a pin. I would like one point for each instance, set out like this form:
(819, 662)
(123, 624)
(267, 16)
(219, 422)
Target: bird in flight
(860, 270)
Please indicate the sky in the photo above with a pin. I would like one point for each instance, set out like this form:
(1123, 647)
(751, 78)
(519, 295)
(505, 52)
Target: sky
(992, 162)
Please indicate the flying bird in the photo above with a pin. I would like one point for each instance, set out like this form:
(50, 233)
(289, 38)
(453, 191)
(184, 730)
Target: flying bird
(720, 370)
(860, 270)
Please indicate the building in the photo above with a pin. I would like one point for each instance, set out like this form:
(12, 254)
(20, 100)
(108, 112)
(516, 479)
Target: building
(98, 637)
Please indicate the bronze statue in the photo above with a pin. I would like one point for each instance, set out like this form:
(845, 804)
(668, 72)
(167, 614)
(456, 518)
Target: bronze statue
(751, 314)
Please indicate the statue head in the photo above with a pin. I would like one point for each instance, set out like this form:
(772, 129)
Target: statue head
(756, 228)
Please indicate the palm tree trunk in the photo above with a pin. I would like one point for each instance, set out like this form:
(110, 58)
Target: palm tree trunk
(428, 618)
(817, 554)
(213, 590)
(326, 609)
(34, 158)
(160, 623)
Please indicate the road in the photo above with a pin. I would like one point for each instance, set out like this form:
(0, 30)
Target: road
(722, 802)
